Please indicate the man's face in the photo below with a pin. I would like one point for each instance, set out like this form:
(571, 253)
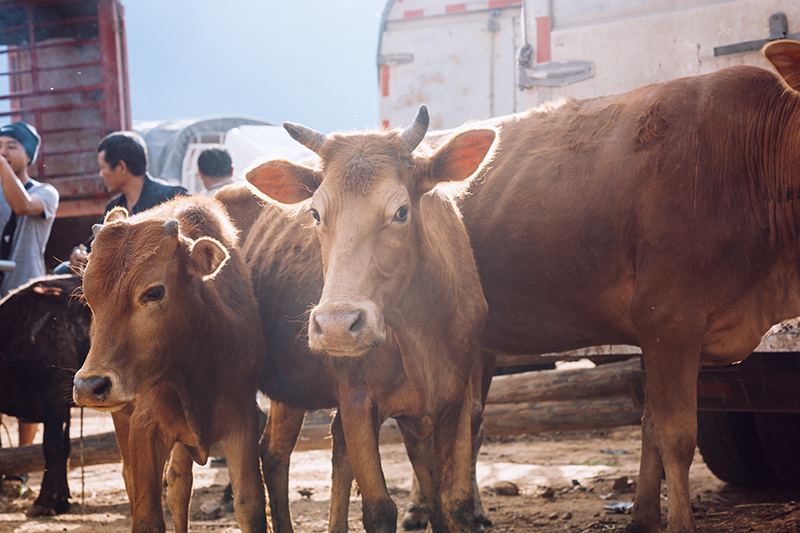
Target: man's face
(15, 154)
(114, 178)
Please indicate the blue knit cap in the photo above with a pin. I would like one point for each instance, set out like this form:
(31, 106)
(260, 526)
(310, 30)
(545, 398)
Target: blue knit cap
(26, 135)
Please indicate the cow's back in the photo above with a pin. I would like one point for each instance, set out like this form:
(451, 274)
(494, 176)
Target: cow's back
(585, 196)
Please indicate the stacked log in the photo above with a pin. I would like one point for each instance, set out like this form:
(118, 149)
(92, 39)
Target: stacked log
(517, 404)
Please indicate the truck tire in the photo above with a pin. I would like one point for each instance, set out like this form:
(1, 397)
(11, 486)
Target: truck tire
(731, 448)
(780, 439)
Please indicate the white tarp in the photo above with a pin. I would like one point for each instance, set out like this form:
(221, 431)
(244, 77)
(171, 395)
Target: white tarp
(251, 144)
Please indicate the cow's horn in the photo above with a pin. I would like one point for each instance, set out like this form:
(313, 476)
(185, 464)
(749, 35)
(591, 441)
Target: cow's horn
(171, 228)
(416, 131)
(96, 228)
(313, 140)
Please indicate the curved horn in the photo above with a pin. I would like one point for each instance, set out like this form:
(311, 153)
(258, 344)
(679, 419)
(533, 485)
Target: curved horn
(313, 140)
(96, 228)
(171, 228)
(416, 131)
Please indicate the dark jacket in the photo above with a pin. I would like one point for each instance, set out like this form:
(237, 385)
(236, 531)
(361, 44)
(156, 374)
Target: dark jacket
(154, 192)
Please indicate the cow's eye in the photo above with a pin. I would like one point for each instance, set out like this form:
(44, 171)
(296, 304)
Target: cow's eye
(153, 294)
(315, 214)
(401, 214)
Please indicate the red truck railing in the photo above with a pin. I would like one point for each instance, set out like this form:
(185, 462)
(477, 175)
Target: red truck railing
(66, 73)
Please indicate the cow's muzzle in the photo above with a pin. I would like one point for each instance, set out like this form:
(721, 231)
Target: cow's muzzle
(100, 392)
(343, 330)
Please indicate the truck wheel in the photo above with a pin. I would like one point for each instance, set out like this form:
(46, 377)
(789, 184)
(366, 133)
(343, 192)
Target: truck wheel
(780, 438)
(730, 446)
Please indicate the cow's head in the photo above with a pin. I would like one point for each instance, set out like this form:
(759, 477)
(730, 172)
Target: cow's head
(141, 283)
(365, 202)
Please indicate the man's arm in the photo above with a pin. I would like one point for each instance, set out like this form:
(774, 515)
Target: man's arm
(17, 197)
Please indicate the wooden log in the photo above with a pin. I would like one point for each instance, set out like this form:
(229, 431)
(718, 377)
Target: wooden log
(611, 379)
(97, 449)
(541, 417)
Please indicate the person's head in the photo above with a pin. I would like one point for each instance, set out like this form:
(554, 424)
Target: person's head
(19, 144)
(214, 164)
(121, 157)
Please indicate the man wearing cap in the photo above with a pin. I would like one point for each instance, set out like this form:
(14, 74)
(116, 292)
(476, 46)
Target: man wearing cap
(27, 211)
(27, 207)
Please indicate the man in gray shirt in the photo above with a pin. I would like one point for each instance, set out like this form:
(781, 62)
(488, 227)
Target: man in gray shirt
(27, 211)
(27, 207)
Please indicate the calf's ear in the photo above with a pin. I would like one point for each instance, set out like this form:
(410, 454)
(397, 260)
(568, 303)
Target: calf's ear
(116, 214)
(207, 257)
(460, 157)
(283, 181)
(785, 57)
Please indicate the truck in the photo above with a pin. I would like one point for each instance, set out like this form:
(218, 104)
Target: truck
(480, 59)
(66, 74)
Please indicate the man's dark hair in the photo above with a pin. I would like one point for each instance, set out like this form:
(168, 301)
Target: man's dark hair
(215, 163)
(125, 146)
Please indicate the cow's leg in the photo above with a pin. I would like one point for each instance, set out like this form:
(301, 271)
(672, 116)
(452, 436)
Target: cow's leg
(647, 504)
(242, 455)
(669, 428)
(361, 424)
(453, 446)
(122, 428)
(280, 435)
(341, 479)
(416, 516)
(148, 450)
(54, 493)
(179, 487)
(481, 380)
(423, 458)
(479, 517)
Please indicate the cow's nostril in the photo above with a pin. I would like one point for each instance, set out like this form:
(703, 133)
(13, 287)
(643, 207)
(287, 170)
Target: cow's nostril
(99, 386)
(357, 324)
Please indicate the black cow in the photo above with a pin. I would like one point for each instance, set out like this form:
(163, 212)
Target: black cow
(44, 339)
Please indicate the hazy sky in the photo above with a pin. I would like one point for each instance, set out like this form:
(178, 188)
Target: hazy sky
(311, 62)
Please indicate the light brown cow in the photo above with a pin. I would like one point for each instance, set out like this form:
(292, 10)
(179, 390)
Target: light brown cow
(176, 350)
(400, 313)
(667, 217)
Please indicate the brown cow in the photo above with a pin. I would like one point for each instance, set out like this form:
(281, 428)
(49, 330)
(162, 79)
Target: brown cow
(176, 350)
(400, 313)
(666, 217)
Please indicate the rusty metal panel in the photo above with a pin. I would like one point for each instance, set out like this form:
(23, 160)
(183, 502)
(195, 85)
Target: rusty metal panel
(65, 74)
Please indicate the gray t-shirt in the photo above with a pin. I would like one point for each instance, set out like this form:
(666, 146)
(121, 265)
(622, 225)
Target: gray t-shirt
(30, 237)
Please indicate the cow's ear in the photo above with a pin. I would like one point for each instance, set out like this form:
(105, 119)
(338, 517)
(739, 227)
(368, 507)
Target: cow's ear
(284, 181)
(207, 257)
(116, 214)
(460, 157)
(785, 57)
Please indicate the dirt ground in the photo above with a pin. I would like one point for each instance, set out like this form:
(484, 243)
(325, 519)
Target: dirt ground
(565, 481)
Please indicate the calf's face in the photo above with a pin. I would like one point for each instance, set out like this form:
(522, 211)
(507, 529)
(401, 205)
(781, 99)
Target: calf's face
(141, 283)
(365, 202)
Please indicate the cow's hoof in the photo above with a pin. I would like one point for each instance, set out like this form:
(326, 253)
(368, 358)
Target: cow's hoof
(415, 518)
(40, 510)
(480, 524)
(633, 527)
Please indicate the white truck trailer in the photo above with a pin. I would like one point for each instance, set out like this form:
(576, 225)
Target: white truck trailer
(480, 59)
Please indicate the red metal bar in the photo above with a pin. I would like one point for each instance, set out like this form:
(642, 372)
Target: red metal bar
(112, 65)
(70, 43)
(542, 39)
(62, 22)
(37, 110)
(54, 91)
